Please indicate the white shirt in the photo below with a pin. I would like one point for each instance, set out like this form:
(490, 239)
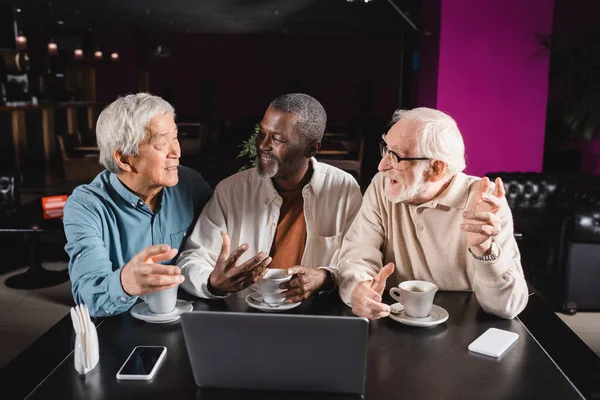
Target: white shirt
(247, 207)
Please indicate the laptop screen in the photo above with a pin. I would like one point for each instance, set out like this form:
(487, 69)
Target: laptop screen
(277, 351)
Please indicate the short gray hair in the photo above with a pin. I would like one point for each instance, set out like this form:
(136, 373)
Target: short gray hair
(439, 137)
(311, 118)
(122, 125)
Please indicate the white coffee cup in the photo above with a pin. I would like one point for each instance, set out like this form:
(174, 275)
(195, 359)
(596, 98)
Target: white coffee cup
(416, 297)
(163, 301)
(269, 286)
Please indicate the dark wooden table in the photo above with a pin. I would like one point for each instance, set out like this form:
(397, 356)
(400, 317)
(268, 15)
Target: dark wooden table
(403, 362)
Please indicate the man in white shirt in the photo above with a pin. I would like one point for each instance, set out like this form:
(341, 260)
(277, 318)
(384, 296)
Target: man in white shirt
(290, 212)
(424, 219)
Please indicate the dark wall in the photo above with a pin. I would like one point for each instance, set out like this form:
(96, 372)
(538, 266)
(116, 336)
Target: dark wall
(234, 76)
(576, 33)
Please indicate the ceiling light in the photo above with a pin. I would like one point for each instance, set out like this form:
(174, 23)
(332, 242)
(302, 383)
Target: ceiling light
(114, 56)
(21, 41)
(98, 54)
(78, 54)
(52, 47)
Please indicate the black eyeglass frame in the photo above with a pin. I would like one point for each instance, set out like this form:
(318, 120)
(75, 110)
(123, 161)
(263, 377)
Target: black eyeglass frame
(383, 150)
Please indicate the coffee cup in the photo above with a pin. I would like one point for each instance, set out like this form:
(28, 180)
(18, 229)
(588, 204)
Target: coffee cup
(269, 286)
(163, 301)
(416, 297)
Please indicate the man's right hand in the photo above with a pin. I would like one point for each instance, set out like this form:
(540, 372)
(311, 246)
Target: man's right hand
(226, 277)
(142, 274)
(366, 297)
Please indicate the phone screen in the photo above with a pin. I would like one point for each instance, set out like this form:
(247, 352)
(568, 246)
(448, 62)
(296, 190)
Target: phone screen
(142, 360)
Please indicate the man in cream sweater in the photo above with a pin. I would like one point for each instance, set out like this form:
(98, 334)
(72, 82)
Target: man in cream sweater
(424, 219)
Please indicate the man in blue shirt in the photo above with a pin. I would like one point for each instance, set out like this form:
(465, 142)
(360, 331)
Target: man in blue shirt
(134, 216)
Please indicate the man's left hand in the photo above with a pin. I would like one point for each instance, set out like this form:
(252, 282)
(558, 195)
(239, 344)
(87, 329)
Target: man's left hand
(481, 222)
(305, 283)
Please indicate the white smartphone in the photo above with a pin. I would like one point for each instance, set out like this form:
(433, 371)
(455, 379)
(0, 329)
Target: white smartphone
(494, 342)
(142, 363)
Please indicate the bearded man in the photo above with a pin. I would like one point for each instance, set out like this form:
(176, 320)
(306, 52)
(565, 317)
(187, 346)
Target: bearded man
(424, 219)
(290, 212)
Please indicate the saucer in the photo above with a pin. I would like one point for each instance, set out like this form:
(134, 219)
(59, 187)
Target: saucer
(142, 311)
(437, 316)
(255, 300)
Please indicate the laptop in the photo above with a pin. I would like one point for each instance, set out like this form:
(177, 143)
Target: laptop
(283, 352)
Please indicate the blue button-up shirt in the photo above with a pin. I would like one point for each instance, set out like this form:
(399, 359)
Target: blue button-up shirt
(106, 225)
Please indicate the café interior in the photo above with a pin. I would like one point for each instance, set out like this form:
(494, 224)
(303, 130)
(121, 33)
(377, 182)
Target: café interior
(521, 79)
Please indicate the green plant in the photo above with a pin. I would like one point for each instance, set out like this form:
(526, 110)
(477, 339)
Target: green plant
(248, 149)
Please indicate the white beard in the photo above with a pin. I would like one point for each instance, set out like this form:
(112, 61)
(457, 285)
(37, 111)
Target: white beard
(266, 173)
(408, 194)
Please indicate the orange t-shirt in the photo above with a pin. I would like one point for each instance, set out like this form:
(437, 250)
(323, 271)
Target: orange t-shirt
(290, 236)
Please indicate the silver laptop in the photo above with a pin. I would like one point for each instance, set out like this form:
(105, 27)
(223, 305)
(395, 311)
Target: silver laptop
(277, 351)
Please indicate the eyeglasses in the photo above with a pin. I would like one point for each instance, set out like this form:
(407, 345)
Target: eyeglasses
(396, 160)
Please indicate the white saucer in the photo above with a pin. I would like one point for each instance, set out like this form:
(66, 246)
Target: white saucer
(142, 311)
(437, 316)
(255, 300)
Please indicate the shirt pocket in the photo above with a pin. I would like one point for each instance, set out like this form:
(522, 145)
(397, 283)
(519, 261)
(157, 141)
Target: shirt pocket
(327, 250)
(177, 239)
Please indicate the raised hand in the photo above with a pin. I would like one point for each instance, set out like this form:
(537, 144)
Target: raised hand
(228, 278)
(366, 297)
(142, 274)
(481, 222)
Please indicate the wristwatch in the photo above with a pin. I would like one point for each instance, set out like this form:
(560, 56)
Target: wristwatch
(490, 257)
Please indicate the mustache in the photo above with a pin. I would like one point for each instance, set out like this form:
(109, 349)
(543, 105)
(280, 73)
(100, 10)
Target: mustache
(390, 175)
(268, 155)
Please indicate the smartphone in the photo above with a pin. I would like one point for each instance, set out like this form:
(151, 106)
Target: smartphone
(494, 342)
(142, 363)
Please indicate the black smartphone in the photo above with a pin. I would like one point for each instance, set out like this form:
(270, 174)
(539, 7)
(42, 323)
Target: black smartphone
(142, 363)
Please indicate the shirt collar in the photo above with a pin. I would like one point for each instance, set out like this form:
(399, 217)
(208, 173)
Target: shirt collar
(126, 194)
(315, 184)
(317, 179)
(456, 194)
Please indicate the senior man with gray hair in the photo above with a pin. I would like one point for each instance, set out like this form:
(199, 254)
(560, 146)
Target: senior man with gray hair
(135, 214)
(290, 212)
(424, 219)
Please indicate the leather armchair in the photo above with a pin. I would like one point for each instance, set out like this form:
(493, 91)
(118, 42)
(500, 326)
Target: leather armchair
(559, 219)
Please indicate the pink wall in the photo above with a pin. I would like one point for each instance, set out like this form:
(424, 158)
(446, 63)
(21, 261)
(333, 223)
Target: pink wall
(493, 79)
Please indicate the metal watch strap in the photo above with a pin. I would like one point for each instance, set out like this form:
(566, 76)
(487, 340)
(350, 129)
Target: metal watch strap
(490, 257)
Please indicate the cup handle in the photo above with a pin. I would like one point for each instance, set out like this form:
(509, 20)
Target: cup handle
(395, 293)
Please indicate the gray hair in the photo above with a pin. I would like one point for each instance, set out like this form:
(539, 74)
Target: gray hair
(439, 137)
(122, 125)
(311, 118)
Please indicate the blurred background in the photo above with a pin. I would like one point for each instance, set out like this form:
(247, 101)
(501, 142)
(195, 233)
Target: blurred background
(521, 78)
(219, 62)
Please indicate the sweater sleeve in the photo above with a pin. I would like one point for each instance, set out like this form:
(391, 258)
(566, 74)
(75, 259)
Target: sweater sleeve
(500, 285)
(361, 256)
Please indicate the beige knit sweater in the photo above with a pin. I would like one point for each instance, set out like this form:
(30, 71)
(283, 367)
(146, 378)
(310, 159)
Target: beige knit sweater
(425, 242)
